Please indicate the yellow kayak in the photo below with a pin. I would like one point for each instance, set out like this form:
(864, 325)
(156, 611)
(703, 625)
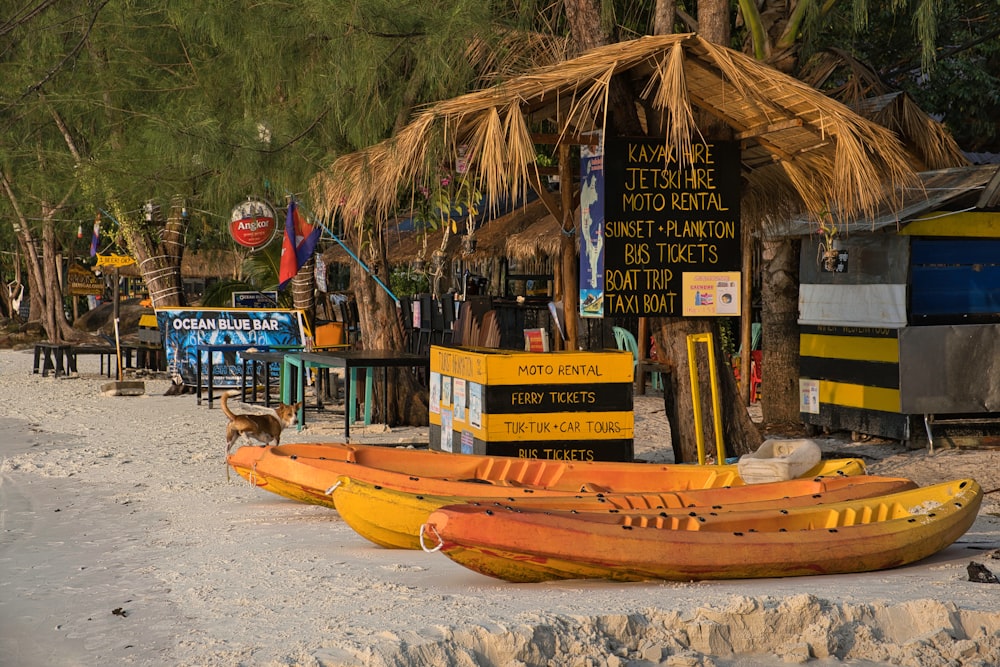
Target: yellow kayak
(852, 536)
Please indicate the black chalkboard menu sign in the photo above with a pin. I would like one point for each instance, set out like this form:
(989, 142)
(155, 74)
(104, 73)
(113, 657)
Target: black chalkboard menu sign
(671, 231)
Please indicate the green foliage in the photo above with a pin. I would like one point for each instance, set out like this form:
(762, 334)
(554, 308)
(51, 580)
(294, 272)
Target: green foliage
(216, 100)
(404, 281)
(961, 86)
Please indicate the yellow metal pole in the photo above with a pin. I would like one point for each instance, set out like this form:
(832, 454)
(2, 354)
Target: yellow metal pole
(696, 398)
(720, 449)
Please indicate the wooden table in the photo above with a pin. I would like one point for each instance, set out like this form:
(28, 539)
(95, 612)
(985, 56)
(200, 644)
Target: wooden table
(295, 365)
(252, 361)
(210, 349)
(105, 352)
(54, 357)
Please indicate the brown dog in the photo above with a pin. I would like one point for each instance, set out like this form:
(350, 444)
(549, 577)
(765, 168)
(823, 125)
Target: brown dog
(263, 428)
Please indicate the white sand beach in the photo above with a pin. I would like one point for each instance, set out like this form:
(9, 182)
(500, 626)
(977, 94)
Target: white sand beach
(123, 543)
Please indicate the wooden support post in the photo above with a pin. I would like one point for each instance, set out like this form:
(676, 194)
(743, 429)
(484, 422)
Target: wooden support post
(643, 340)
(567, 250)
(746, 315)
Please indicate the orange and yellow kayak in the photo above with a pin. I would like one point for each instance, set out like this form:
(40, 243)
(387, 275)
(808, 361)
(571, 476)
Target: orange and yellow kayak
(310, 472)
(392, 518)
(852, 536)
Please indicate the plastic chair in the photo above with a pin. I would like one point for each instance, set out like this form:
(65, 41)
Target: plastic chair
(655, 377)
(406, 321)
(447, 318)
(425, 331)
(626, 341)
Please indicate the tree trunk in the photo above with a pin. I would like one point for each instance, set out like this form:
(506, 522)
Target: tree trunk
(304, 291)
(54, 315)
(381, 329)
(779, 323)
(44, 290)
(160, 261)
(663, 17)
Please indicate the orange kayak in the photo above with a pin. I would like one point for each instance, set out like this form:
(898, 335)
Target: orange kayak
(285, 475)
(309, 473)
(852, 536)
(392, 518)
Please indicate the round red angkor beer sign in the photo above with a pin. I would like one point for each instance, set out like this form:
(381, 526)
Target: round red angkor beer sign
(253, 223)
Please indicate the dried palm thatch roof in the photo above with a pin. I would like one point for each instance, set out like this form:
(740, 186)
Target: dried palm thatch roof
(492, 239)
(798, 144)
(939, 188)
(539, 239)
(927, 140)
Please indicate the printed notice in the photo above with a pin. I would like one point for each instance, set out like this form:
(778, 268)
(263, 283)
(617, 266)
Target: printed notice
(809, 396)
(435, 393)
(710, 294)
(458, 385)
(475, 405)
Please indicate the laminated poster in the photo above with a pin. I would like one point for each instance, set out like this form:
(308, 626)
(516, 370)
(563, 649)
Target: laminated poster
(459, 407)
(475, 405)
(446, 390)
(435, 393)
(447, 433)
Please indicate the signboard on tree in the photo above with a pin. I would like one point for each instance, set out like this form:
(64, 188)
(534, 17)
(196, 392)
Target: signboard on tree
(81, 281)
(114, 260)
(672, 229)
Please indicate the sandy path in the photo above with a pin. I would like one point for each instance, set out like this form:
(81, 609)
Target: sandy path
(121, 542)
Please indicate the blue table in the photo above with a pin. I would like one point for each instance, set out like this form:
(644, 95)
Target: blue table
(210, 349)
(350, 360)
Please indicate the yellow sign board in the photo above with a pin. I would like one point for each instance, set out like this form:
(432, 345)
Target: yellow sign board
(114, 260)
(81, 281)
(507, 367)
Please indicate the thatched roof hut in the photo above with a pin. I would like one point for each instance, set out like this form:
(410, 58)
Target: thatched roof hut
(799, 146)
(927, 140)
(799, 149)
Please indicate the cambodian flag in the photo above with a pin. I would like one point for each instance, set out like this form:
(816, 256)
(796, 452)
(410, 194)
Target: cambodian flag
(297, 246)
(96, 237)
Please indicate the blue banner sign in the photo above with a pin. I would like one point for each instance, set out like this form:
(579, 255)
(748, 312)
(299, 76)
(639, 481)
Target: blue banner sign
(184, 329)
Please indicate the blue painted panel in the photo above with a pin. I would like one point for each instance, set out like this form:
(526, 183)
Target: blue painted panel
(954, 251)
(954, 290)
(954, 277)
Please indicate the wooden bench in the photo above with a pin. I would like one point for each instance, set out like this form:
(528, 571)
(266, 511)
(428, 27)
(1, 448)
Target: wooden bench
(107, 353)
(55, 357)
(646, 367)
(150, 357)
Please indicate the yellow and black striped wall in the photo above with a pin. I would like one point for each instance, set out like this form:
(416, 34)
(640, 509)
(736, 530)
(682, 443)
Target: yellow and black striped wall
(849, 324)
(574, 406)
(849, 379)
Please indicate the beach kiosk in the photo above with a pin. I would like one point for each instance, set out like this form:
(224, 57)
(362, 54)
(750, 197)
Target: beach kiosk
(568, 406)
(900, 318)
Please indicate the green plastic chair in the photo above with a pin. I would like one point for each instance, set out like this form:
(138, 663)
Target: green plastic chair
(626, 341)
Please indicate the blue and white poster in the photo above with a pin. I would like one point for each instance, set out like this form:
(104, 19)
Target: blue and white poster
(592, 229)
(184, 329)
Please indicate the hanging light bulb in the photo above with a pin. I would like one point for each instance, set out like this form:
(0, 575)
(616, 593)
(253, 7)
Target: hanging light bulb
(79, 232)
